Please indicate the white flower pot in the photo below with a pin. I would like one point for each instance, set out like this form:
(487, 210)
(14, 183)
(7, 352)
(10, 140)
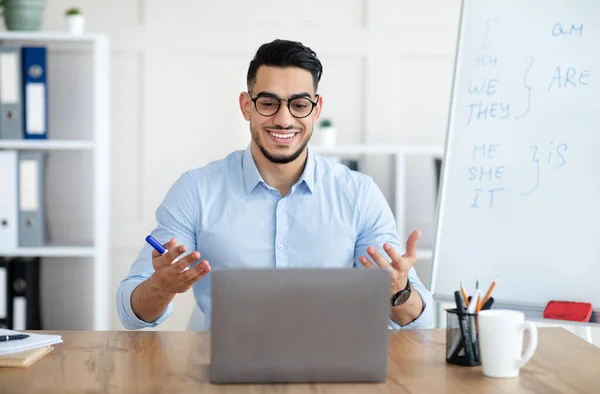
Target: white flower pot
(76, 24)
(328, 136)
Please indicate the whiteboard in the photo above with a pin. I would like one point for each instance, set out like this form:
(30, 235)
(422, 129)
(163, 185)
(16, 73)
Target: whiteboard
(520, 186)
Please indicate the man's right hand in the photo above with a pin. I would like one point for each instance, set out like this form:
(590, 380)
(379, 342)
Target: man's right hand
(172, 278)
(151, 298)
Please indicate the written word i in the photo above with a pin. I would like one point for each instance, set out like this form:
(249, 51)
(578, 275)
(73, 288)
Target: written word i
(570, 77)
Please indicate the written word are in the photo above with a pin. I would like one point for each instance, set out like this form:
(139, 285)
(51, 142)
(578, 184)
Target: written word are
(484, 60)
(486, 173)
(559, 30)
(569, 77)
(486, 86)
(481, 111)
(486, 151)
(485, 197)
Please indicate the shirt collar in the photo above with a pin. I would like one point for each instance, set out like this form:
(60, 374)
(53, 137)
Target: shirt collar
(252, 176)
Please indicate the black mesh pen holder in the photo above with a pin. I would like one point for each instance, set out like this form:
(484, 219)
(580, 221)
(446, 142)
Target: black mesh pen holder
(462, 342)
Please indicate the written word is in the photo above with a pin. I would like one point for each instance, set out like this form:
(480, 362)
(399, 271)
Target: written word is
(552, 156)
(486, 86)
(484, 60)
(482, 111)
(485, 197)
(559, 30)
(569, 77)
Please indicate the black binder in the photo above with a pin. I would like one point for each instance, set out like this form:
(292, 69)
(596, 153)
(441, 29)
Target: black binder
(24, 293)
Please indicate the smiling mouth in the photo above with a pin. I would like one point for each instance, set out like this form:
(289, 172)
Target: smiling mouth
(283, 137)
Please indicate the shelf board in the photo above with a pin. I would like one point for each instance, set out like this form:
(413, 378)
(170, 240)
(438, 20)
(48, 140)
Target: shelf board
(424, 254)
(51, 251)
(47, 144)
(48, 36)
(379, 149)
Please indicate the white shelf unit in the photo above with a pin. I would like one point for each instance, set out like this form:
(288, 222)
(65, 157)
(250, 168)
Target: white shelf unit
(75, 269)
(400, 154)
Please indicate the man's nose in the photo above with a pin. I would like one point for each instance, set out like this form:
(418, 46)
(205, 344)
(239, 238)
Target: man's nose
(283, 117)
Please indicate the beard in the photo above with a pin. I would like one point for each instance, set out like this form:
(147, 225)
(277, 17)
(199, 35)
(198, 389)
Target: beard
(281, 158)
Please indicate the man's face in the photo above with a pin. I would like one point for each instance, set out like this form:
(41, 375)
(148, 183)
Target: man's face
(281, 137)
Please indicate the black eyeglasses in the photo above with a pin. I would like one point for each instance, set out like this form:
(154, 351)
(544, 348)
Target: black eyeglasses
(268, 105)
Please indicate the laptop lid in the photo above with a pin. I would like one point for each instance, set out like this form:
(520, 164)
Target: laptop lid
(299, 325)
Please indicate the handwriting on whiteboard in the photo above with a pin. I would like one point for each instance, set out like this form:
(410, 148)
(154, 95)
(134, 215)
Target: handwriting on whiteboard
(488, 172)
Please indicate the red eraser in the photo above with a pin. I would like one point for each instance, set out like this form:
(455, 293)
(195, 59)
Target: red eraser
(568, 310)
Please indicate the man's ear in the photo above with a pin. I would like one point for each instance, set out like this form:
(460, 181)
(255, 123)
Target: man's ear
(245, 103)
(318, 108)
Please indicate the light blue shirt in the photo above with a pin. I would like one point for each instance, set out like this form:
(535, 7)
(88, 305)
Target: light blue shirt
(227, 212)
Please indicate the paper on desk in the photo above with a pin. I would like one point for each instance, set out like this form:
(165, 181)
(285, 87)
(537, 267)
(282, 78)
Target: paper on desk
(34, 341)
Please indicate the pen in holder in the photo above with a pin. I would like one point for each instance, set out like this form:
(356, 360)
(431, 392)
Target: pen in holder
(462, 343)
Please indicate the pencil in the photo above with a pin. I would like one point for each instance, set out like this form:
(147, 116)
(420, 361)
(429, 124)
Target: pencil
(464, 294)
(489, 292)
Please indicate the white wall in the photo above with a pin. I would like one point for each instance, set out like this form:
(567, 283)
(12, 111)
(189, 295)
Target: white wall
(179, 66)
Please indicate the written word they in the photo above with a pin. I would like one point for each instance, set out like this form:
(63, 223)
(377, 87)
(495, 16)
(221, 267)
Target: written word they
(481, 111)
(569, 77)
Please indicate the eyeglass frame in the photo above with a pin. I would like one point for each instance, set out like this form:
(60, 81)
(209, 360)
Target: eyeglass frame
(279, 100)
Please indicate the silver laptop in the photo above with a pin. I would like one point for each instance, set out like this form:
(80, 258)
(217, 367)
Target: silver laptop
(300, 325)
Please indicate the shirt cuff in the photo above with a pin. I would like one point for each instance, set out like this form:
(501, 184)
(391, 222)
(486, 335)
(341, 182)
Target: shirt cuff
(126, 314)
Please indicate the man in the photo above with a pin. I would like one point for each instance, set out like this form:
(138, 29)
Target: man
(277, 204)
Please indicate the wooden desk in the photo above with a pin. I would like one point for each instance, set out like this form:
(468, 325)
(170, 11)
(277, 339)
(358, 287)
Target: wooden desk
(177, 362)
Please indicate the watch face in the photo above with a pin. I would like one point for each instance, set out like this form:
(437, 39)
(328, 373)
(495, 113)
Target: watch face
(401, 298)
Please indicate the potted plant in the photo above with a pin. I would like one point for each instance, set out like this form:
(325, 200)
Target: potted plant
(75, 21)
(25, 15)
(328, 133)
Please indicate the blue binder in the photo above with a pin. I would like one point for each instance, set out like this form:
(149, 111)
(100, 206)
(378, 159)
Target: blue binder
(35, 93)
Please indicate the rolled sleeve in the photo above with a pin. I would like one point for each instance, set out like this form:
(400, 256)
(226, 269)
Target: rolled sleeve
(425, 319)
(176, 217)
(128, 318)
(377, 226)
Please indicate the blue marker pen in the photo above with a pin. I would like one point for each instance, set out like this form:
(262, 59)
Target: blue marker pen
(161, 249)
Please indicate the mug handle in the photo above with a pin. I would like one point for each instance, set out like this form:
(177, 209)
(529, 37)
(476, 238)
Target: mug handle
(533, 341)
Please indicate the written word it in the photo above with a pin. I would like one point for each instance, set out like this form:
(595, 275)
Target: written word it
(487, 151)
(559, 30)
(481, 111)
(487, 173)
(487, 86)
(484, 60)
(485, 197)
(570, 77)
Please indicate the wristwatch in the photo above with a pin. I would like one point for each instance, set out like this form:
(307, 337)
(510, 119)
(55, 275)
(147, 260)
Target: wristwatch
(402, 296)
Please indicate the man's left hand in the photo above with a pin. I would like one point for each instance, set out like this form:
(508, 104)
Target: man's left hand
(400, 264)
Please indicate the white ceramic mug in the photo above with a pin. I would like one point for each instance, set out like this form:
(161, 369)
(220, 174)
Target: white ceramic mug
(501, 342)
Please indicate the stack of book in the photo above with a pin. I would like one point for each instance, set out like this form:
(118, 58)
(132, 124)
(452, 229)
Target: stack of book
(24, 352)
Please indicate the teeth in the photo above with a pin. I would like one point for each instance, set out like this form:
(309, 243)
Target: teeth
(282, 135)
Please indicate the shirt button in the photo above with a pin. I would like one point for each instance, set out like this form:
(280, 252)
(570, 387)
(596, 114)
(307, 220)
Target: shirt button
(280, 205)
(280, 246)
